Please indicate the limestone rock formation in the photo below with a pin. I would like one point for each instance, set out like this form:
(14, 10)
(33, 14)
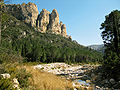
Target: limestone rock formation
(25, 12)
(63, 30)
(54, 25)
(30, 13)
(43, 22)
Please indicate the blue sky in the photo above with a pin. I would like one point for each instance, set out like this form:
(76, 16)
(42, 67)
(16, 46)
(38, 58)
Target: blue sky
(82, 17)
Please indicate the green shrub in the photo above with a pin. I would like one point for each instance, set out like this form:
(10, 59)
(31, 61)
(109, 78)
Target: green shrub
(20, 73)
(6, 84)
(9, 56)
(11, 69)
(23, 77)
(2, 69)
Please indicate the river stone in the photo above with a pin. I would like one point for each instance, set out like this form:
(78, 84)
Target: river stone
(16, 84)
(5, 75)
(112, 81)
(92, 75)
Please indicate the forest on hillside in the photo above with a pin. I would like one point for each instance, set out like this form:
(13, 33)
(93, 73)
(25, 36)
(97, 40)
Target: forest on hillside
(43, 47)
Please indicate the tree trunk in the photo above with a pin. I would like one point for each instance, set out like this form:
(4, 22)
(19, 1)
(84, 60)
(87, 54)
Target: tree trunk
(116, 35)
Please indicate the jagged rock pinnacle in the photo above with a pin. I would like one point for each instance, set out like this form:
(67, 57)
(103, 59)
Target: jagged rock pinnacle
(54, 22)
(45, 21)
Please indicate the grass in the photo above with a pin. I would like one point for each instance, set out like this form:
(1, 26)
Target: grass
(40, 80)
(47, 81)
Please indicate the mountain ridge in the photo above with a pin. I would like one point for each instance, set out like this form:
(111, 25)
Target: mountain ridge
(99, 48)
(42, 22)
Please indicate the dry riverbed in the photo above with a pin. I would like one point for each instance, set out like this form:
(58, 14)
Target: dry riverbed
(83, 77)
(76, 73)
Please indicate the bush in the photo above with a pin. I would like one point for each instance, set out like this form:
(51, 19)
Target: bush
(6, 84)
(23, 77)
(2, 69)
(20, 73)
(9, 56)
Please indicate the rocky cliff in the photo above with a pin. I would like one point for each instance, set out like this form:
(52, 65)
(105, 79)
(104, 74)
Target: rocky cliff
(25, 12)
(43, 22)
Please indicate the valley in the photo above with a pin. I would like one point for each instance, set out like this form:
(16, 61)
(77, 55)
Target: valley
(36, 52)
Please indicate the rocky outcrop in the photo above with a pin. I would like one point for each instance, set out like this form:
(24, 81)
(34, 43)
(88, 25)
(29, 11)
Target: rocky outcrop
(30, 13)
(54, 25)
(25, 12)
(43, 22)
(63, 30)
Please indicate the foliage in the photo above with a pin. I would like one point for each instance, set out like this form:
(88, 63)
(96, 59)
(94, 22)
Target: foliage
(6, 84)
(23, 77)
(111, 37)
(16, 70)
(9, 56)
(20, 73)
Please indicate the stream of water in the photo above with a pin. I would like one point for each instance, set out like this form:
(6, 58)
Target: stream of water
(83, 83)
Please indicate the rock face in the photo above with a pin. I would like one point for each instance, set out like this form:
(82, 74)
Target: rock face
(63, 30)
(54, 25)
(30, 13)
(43, 22)
(25, 12)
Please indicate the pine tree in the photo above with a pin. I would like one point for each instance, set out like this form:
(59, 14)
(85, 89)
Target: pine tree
(111, 38)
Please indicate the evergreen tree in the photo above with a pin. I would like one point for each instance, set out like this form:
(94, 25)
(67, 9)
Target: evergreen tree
(43, 57)
(111, 38)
